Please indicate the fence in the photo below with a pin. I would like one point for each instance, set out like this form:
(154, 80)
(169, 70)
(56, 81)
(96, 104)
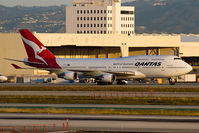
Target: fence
(121, 94)
(40, 128)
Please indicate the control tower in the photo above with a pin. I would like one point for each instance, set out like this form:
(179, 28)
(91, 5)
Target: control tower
(99, 17)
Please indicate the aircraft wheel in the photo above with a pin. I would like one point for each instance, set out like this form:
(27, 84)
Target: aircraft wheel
(171, 81)
(121, 82)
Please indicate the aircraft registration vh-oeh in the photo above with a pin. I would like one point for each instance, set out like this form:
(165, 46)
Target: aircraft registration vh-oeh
(102, 69)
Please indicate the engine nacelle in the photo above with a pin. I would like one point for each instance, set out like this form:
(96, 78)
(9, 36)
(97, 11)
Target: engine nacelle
(68, 75)
(108, 78)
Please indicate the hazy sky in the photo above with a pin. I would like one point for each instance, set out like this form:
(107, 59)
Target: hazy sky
(37, 2)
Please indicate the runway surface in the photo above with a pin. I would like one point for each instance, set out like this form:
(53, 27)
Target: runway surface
(100, 106)
(101, 93)
(177, 85)
(123, 123)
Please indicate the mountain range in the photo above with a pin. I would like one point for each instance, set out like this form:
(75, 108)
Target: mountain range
(166, 16)
(151, 16)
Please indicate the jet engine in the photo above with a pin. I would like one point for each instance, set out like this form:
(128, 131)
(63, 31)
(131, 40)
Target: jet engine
(106, 78)
(68, 75)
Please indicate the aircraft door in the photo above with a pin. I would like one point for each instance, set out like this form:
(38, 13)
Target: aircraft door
(163, 67)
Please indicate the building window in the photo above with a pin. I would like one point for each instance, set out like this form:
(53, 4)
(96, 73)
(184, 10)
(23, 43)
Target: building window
(104, 25)
(91, 18)
(94, 11)
(87, 11)
(77, 18)
(87, 32)
(101, 25)
(81, 11)
(94, 18)
(97, 25)
(101, 32)
(91, 25)
(77, 11)
(104, 11)
(84, 25)
(84, 11)
(97, 18)
(94, 32)
(84, 18)
(104, 32)
(78, 25)
(104, 18)
(98, 11)
(127, 12)
(94, 25)
(101, 11)
(81, 25)
(87, 25)
(101, 18)
(91, 11)
(87, 18)
(81, 18)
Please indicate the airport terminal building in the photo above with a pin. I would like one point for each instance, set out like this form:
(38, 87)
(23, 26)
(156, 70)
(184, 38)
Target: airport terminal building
(116, 39)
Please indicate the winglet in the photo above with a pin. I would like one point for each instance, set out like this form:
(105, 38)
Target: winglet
(16, 66)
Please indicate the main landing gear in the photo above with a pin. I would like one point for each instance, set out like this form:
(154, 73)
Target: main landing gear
(171, 81)
(121, 82)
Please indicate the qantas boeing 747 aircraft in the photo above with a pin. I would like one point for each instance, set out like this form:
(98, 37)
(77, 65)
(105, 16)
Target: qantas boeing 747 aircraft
(104, 70)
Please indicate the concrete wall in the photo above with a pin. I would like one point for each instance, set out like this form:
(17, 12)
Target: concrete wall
(147, 40)
(11, 47)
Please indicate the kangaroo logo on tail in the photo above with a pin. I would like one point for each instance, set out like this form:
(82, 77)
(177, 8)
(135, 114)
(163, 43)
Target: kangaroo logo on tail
(36, 51)
(36, 48)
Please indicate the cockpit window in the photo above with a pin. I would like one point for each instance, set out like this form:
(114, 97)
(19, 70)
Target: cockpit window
(177, 59)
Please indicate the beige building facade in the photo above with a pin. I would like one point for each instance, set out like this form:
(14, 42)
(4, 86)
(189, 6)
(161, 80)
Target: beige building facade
(96, 46)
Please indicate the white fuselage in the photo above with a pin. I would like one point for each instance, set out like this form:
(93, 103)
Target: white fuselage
(144, 66)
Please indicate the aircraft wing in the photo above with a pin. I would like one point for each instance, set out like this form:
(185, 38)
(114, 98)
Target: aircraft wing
(97, 73)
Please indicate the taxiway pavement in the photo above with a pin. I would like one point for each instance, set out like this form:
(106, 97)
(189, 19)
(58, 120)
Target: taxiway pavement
(122, 123)
(101, 93)
(99, 106)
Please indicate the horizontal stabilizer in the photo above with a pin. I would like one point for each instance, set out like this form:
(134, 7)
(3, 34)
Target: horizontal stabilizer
(16, 66)
(33, 63)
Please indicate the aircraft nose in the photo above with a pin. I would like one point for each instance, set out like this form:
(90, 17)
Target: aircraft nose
(189, 68)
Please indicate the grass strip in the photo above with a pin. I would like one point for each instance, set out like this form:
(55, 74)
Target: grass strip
(146, 88)
(103, 111)
(100, 100)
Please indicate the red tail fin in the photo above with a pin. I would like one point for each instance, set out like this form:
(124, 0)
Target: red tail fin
(36, 51)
